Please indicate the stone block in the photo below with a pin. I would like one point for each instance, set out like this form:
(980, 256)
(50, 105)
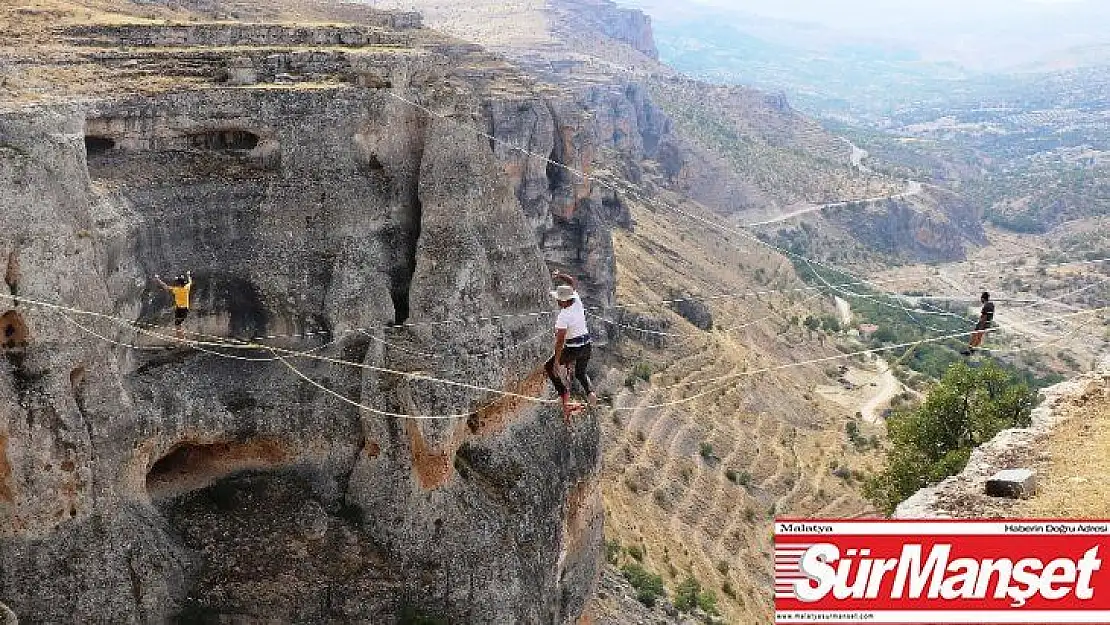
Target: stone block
(1013, 483)
(240, 71)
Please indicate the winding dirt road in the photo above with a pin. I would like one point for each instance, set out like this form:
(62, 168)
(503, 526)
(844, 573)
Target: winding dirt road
(913, 188)
(889, 388)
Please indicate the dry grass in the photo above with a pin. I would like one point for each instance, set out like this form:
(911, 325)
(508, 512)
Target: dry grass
(1073, 482)
(520, 23)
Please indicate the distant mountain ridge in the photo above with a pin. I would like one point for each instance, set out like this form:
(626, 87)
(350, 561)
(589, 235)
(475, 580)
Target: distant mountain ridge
(826, 69)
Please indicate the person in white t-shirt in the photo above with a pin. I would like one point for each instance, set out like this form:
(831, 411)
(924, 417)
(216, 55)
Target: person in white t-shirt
(572, 345)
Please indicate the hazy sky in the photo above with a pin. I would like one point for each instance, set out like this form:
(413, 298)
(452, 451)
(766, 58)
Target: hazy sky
(853, 12)
(990, 31)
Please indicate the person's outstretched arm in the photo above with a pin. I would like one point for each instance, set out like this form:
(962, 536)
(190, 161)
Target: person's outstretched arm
(158, 279)
(568, 279)
(189, 275)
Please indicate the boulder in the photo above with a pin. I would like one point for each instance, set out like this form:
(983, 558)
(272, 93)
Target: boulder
(1013, 483)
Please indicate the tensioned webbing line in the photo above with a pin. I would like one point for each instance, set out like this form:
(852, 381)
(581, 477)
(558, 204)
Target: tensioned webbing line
(729, 378)
(416, 376)
(281, 352)
(629, 189)
(837, 288)
(246, 345)
(284, 361)
(626, 305)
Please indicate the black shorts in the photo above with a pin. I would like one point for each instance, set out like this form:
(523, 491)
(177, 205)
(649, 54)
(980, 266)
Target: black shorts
(179, 315)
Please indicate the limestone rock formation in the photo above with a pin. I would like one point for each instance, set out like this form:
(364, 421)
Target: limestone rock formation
(936, 226)
(544, 144)
(630, 26)
(144, 484)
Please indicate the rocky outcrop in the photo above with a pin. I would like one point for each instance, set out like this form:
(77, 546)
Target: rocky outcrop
(629, 26)
(232, 34)
(548, 149)
(143, 484)
(616, 604)
(963, 495)
(935, 226)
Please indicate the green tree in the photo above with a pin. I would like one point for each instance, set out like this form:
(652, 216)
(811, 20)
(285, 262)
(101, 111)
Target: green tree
(967, 408)
(686, 594)
(883, 335)
(812, 323)
(830, 323)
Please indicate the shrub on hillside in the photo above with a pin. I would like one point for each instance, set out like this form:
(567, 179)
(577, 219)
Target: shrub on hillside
(706, 451)
(741, 478)
(696, 312)
(649, 587)
(967, 408)
(613, 551)
(854, 436)
(640, 371)
(830, 324)
(812, 323)
(689, 595)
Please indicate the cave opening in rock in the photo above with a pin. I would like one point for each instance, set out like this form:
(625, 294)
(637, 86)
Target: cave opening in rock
(556, 174)
(190, 465)
(241, 299)
(13, 330)
(226, 140)
(404, 262)
(96, 145)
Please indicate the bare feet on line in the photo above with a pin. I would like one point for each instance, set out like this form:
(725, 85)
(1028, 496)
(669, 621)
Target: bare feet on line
(570, 410)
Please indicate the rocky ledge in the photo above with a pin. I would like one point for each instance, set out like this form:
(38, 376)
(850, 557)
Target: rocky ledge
(964, 495)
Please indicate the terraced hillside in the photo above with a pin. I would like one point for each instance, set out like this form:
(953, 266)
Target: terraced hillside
(693, 484)
(771, 443)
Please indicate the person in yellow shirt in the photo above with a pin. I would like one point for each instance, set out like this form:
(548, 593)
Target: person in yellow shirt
(180, 291)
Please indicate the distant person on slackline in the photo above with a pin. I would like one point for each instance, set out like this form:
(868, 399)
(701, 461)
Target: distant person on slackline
(572, 345)
(986, 318)
(180, 291)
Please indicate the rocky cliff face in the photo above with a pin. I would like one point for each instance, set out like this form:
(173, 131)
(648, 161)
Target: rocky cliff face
(571, 214)
(936, 226)
(143, 484)
(629, 26)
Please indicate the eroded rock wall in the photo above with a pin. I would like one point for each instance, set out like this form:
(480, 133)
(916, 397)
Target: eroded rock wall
(144, 484)
(932, 227)
(629, 26)
(549, 148)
